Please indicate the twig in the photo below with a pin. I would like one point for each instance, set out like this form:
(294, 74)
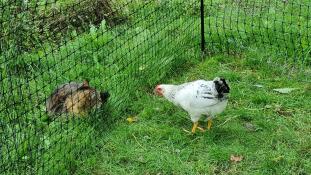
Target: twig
(138, 142)
(226, 121)
(186, 131)
(255, 109)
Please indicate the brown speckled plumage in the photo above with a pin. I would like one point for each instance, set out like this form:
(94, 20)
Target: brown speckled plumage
(75, 98)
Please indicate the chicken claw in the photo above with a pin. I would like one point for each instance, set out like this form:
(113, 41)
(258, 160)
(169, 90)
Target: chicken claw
(201, 129)
(194, 127)
(209, 124)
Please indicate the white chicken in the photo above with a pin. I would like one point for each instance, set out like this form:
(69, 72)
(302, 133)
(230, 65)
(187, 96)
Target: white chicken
(198, 98)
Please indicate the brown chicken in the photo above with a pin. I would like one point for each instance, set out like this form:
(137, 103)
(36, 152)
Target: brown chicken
(55, 103)
(84, 99)
(76, 98)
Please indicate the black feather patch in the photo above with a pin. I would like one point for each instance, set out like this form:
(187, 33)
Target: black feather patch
(208, 97)
(104, 96)
(221, 87)
(209, 93)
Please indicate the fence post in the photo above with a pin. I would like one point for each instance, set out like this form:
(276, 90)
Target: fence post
(202, 27)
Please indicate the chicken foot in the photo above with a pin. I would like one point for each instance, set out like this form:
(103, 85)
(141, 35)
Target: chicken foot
(209, 124)
(195, 126)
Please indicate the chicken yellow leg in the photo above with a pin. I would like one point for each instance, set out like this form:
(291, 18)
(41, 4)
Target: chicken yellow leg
(194, 127)
(209, 124)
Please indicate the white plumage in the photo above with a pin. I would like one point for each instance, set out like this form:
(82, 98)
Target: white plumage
(198, 98)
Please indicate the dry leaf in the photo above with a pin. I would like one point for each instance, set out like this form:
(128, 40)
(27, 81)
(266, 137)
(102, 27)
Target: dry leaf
(131, 119)
(141, 159)
(283, 112)
(235, 159)
(285, 90)
(249, 126)
(258, 85)
(277, 159)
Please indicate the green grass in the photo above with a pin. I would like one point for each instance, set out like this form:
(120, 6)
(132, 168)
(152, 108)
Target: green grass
(129, 60)
(124, 60)
(270, 130)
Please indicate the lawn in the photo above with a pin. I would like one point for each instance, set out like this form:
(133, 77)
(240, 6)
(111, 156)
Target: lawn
(257, 47)
(268, 129)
